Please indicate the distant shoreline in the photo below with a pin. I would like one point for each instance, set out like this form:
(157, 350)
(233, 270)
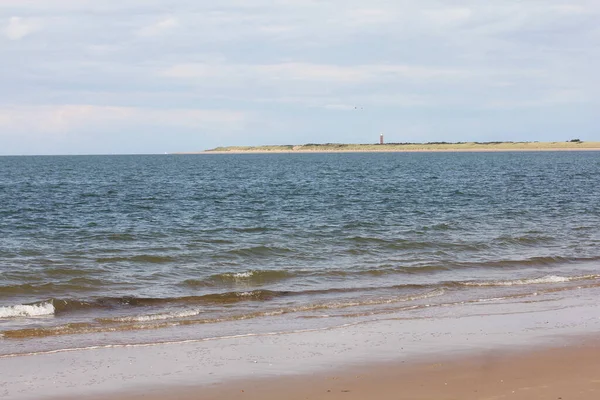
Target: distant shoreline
(405, 147)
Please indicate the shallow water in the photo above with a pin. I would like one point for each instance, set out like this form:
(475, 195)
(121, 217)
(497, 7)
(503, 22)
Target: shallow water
(127, 249)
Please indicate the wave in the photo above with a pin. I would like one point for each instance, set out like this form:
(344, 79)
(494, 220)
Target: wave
(269, 276)
(369, 243)
(379, 271)
(153, 317)
(27, 310)
(191, 316)
(259, 277)
(143, 258)
(439, 227)
(121, 237)
(375, 243)
(278, 311)
(515, 264)
(59, 272)
(191, 306)
(72, 285)
(78, 283)
(64, 306)
(255, 277)
(369, 302)
(525, 240)
(254, 229)
(177, 318)
(548, 279)
(258, 251)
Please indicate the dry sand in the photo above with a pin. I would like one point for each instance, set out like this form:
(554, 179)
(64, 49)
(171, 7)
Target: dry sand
(569, 373)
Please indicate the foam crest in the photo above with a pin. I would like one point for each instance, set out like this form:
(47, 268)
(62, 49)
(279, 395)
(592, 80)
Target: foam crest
(256, 276)
(27, 310)
(241, 275)
(533, 281)
(154, 317)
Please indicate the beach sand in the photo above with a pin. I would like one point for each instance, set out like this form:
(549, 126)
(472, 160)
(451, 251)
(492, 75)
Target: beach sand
(571, 372)
(541, 349)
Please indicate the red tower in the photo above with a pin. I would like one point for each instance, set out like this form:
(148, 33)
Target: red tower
(381, 139)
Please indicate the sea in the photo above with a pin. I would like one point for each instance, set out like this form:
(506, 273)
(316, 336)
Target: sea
(143, 249)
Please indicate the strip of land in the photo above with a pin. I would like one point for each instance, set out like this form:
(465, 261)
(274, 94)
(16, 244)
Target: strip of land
(408, 147)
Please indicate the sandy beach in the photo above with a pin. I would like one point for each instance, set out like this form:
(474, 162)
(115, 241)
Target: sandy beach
(488, 351)
(568, 372)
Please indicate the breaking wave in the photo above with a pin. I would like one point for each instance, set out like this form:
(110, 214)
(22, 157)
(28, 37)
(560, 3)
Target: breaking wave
(185, 317)
(252, 277)
(532, 281)
(27, 310)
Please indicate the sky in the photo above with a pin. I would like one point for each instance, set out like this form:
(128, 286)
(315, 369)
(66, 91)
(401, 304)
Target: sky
(156, 76)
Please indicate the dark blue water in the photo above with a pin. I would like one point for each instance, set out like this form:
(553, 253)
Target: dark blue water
(108, 244)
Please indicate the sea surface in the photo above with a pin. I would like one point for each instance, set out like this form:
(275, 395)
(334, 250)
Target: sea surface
(118, 250)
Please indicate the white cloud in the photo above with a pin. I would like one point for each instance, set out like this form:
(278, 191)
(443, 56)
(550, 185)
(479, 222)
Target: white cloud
(18, 27)
(102, 50)
(446, 16)
(296, 71)
(549, 99)
(278, 59)
(369, 16)
(158, 28)
(60, 119)
(275, 29)
(569, 9)
(361, 102)
(340, 107)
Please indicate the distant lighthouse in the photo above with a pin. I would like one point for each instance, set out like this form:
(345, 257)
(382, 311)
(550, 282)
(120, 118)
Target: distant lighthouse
(381, 139)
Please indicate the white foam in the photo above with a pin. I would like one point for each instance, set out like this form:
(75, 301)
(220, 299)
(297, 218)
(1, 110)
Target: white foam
(158, 317)
(532, 281)
(242, 275)
(370, 302)
(21, 310)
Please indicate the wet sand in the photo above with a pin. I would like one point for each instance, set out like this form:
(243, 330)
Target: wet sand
(571, 372)
(543, 349)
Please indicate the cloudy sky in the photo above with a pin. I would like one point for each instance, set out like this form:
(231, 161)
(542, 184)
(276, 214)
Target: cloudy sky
(155, 76)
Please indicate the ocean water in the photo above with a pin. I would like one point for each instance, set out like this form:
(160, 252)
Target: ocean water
(112, 250)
